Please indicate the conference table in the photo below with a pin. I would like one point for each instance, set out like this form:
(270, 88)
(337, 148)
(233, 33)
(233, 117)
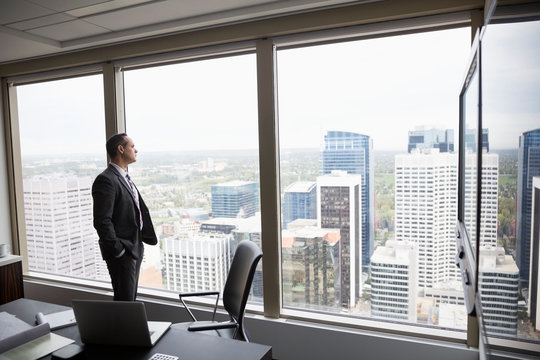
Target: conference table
(184, 344)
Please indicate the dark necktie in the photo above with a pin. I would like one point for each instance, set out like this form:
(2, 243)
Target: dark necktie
(134, 193)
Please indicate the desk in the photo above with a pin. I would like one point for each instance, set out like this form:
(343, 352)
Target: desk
(186, 345)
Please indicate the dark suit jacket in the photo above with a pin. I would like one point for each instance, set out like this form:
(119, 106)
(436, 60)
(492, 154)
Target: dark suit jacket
(116, 217)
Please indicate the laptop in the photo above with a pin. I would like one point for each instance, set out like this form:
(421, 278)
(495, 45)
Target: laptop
(116, 323)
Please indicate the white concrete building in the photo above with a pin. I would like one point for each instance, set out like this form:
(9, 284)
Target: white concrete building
(196, 261)
(498, 283)
(393, 281)
(60, 235)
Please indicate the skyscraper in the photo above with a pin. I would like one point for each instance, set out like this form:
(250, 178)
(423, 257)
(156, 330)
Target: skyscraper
(196, 261)
(534, 288)
(339, 198)
(235, 199)
(431, 139)
(426, 208)
(393, 281)
(300, 202)
(60, 236)
(528, 167)
(310, 267)
(353, 153)
(498, 282)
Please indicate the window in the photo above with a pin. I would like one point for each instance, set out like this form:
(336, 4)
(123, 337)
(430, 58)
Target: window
(369, 177)
(62, 133)
(508, 265)
(195, 126)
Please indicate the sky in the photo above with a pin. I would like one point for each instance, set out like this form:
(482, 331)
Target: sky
(380, 87)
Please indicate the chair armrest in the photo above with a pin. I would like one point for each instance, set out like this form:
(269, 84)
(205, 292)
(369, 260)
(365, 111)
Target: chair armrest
(215, 326)
(199, 293)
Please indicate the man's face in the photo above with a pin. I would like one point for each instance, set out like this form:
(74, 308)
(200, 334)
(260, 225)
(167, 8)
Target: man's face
(128, 151)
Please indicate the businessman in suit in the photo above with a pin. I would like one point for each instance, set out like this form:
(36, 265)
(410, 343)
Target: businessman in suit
(121, 218)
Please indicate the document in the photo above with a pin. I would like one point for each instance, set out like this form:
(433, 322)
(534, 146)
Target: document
(21, 341)
(57, 320)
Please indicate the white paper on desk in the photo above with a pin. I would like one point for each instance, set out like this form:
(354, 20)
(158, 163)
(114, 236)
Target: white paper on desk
(38, 348)
(11, 325)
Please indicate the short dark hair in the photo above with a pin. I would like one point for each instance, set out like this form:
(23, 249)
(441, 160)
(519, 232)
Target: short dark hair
(113, 142)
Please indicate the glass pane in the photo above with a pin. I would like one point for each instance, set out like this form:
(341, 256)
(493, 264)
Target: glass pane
(62, 131)
(195, 126)
(470, 124)
(509, 255)
(369, 177)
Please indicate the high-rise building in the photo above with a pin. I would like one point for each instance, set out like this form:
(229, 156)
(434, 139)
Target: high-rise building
(421, 139)
(534, 288)
(528, 167)
(196, 261)
(339, 199)
(59, 227)
(471, 139)
(310, 267)
(498, 284)
(353, 153)
(393, 281)
(299, 202)
(426, 208)
(235, 199)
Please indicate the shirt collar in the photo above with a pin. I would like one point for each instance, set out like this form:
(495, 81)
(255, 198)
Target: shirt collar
(120, 170)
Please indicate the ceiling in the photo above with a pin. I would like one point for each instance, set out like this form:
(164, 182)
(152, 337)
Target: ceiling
(33, 28)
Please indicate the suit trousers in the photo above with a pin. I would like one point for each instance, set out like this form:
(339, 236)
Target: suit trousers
(124, 272)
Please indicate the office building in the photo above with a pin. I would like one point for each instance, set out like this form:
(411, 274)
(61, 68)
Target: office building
(299, 201)
(471, 139)
(235, 199)
(421, 139)
(310, 268)
(534, 289)
(426, 208)
(528, 167)
(498, 282)
(240, 229)
(59, 232)
(196, 261)
(353, 153)
(393, 281)
(339, 197)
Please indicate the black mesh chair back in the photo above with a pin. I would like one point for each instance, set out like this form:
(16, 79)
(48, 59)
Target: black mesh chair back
(239, 280)
(235, 296)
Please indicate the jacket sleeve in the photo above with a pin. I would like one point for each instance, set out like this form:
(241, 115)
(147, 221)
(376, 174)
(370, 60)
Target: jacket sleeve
(104, 194)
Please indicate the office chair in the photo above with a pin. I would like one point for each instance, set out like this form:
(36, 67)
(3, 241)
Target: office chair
(235, 295)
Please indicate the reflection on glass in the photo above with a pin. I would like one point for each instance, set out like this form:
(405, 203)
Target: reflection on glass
(508, 267)
(470, 138)
(369, 177)
(62, 144)
(195, 126)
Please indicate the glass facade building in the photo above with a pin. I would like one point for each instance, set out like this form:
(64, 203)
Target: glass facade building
(432, 138)
(353, 152)
(235, 199)
(528, 167)
(300, 202)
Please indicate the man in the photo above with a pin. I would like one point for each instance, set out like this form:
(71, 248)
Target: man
(121, 218)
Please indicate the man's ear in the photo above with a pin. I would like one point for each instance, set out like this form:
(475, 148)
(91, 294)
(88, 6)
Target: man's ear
(121, 149)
